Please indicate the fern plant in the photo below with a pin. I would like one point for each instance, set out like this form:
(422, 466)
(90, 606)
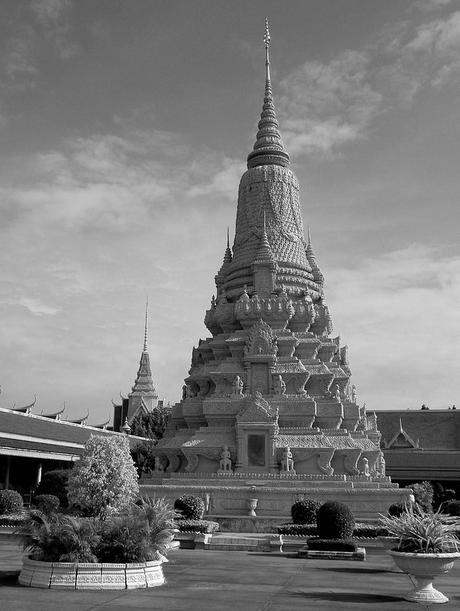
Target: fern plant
(422, 532)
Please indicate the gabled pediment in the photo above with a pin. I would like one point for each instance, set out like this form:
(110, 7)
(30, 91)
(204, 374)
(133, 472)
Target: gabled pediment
(401, 439)
(257, 409)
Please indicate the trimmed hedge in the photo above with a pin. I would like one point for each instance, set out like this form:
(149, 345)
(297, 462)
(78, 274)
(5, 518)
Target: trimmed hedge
(10, 502)
(332, 545)
(47, 503)
(369, 531)
(13, 520)
(297, 529)
(304, 512)
(335, 521)
(191, 507)
(197, 526)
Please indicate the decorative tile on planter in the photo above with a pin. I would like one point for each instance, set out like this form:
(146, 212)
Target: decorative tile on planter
(113, 576)
(64, 575)
(154, 573)
(41, 577)
(89, 576)
(135, 575)
(28, 568)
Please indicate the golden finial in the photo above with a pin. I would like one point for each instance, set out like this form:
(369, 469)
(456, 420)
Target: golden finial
(267, 34)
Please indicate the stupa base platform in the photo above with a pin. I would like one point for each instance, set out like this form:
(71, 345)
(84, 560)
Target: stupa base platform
(271, 496)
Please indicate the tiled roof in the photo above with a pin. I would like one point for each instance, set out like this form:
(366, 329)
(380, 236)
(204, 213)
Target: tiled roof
(16, 426)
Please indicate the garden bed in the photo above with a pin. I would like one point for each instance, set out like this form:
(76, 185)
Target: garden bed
(91, 576)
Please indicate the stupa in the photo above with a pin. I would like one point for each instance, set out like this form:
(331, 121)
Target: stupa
(268, 409)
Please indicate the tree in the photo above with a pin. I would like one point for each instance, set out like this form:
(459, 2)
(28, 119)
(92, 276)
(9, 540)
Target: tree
(153, 424)
(143, 456)
(104, 480)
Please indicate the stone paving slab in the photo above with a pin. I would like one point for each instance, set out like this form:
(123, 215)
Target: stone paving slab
(241, 581)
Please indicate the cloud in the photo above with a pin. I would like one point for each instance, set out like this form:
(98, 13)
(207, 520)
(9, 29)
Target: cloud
(37, 307)
(19, 65)
(324, 106)
(430, 5)
(50, 12)
(398, 311)
(54, 17)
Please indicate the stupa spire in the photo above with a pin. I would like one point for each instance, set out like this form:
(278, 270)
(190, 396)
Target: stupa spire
(268, 147)
(146, 325)
(143, 389)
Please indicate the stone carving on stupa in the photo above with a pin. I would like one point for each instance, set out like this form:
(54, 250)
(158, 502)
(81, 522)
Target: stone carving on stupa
(270, 382)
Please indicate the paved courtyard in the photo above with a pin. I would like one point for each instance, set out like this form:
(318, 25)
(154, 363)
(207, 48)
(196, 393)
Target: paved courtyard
(216, 580)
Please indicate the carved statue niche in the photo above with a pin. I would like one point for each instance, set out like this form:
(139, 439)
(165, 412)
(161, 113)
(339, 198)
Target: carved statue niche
(225, 464)
(158, 468)
(238, 386)
(365, 470)
(287, 462)
(261, 340)
(279, 386)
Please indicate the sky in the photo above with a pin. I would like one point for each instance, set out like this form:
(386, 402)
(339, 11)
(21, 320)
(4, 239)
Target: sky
(124, 130)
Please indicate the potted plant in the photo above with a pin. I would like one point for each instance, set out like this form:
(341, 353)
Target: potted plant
(427, 547)
(124, 550)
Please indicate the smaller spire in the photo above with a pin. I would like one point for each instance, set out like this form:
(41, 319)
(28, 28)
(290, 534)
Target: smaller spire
(146, 325)
(264, 252)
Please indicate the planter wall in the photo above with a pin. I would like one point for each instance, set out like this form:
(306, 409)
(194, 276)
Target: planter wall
(91, 576)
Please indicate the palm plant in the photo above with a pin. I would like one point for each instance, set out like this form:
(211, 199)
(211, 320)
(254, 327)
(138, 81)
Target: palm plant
(143, 533)
(59, 538)
(422, 532)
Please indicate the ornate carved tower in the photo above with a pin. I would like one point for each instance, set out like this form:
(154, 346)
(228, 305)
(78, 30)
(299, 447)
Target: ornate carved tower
(269, 394)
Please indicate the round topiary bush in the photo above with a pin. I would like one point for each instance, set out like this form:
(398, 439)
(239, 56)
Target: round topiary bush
(304, 512)
(335, 521)
(191, 507)
(47, 503)
(10, 502)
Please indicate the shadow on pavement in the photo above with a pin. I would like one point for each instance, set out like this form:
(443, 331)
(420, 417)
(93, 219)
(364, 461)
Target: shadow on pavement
(349, 597)
(8, 578)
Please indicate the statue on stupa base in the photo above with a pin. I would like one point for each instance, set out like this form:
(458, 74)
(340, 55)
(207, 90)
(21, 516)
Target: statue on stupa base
(287, 462)
(225, 464)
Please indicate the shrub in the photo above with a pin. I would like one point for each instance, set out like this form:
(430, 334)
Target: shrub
(55, 482)
(336, 545)
(296, 529)
(47, 503)
(198, 526)
(138, 535)
(396, 509)
(452, 508)
(304, 512)
(190, 507)
(423, 494)
(104, 480)
(10, 502)
(335, 521)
